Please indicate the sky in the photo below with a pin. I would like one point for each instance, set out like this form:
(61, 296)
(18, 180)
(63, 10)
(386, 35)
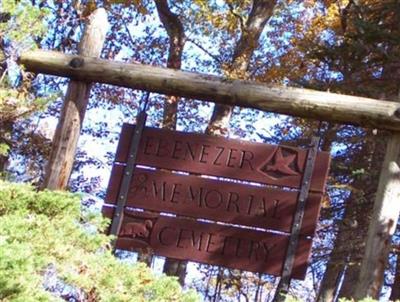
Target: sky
(100, 148)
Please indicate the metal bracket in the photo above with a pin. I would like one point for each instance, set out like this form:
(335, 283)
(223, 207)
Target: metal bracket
(283, 286)
(128, 171)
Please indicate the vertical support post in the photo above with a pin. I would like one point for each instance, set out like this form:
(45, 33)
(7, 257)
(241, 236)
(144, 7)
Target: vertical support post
(128, 173)
(65, 140)
(383, 223)
(284, 282)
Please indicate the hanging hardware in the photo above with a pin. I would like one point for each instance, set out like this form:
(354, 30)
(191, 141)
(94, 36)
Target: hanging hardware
(129, 168)
(284, 282)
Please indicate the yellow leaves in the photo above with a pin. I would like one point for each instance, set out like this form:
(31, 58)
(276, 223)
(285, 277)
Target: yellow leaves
(291, 66)
(85, 10)
(275, 74)
(233, 73)
(320, 21)
(223, 21)
(221, 17)
(332, 18)
(326, 201)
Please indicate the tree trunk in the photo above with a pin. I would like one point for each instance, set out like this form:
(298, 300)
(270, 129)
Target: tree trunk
(350, 242)
(5, 126)
(59, 166)
(332, 276)
(384, 220)
(337, 262)
(257, 295)
(349, 245)
(146, 258)
(176, 35)
(259, 15)
(357, 231)
(395, 294)
(3, 58)
(385, 213)
(362, 210)
(174, 28)
(344, 260)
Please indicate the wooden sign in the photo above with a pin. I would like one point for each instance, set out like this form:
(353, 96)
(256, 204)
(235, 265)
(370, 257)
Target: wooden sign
(199, 197)
(209, 243)
(221, 157)
(249, 223)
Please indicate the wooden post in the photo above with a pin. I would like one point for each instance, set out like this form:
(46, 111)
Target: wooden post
(383, 223)
(294, 101)
(69, 126)
(299, 102)
(395, 294)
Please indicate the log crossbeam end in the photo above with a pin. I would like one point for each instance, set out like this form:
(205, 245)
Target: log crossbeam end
(304, 103)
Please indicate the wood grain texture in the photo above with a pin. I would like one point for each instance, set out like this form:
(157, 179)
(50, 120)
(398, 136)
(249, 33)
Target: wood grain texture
(222, 157)
(383, 224)
(225, 201)
(209, 243)
(293, 101)
(65, 140)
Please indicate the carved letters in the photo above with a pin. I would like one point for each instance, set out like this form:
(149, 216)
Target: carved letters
(199, 197)
(136, 229)
(204, 153)
(216, 244)
(216, 156)
(239, 205)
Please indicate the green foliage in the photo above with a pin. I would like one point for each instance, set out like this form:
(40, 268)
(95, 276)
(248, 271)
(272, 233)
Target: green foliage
(25, 24)
(21, 26)
(15, 104)
(45, 238)
(4, 149)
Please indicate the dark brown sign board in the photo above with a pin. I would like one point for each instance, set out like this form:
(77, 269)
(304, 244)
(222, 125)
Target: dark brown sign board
(229, 185)
(226, 201)
(210, 243)
(221, 157)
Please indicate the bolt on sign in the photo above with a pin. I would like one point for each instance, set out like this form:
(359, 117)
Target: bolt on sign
(248, 190)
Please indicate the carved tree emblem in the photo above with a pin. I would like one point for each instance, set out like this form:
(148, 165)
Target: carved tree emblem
(139, 230)
(283, 163)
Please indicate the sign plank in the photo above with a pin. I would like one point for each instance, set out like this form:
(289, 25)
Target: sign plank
(210, 243)
(213, 199)
(216, 156)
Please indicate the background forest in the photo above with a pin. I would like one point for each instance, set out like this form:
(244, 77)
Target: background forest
(344, 46)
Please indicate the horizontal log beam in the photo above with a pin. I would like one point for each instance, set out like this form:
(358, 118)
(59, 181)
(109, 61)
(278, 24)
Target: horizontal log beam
(292, 101)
